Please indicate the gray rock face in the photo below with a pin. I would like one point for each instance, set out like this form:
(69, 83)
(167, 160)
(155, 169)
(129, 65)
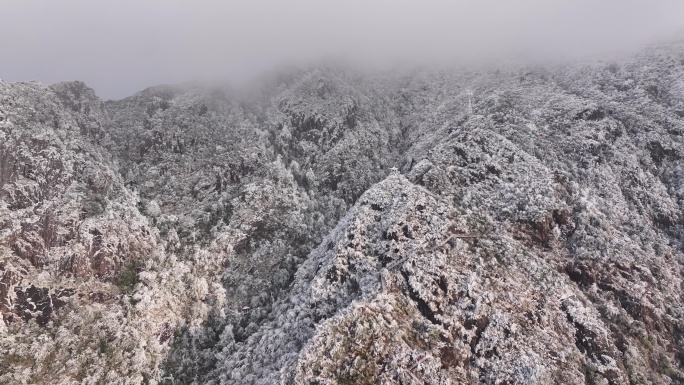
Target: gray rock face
(331, 227)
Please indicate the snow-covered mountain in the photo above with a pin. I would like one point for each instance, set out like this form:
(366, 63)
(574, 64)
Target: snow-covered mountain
(505, 226)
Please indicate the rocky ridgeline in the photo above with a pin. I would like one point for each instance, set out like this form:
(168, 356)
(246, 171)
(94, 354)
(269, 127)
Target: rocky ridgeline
(331, 227)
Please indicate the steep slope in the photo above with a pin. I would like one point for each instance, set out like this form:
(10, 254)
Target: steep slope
(71, 239)
(407, 288)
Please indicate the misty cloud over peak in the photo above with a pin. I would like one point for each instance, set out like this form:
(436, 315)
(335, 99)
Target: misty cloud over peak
(120, 47)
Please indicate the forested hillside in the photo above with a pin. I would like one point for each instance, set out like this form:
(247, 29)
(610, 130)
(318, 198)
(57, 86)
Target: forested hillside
(514, 225)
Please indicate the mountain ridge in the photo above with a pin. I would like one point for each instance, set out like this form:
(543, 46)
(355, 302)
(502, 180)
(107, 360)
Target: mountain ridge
(334, 227)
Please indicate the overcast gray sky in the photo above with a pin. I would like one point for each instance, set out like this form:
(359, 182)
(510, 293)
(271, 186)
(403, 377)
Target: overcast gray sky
(120, 47)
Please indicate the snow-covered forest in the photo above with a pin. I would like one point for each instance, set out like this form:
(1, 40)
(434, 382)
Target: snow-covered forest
(514, 225)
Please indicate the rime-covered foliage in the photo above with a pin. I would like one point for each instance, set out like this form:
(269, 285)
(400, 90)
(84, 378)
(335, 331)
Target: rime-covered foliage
(71, 243)
(333, 227)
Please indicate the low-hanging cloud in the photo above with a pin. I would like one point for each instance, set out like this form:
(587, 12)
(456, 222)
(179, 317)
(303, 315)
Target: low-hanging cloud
(121, 47)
